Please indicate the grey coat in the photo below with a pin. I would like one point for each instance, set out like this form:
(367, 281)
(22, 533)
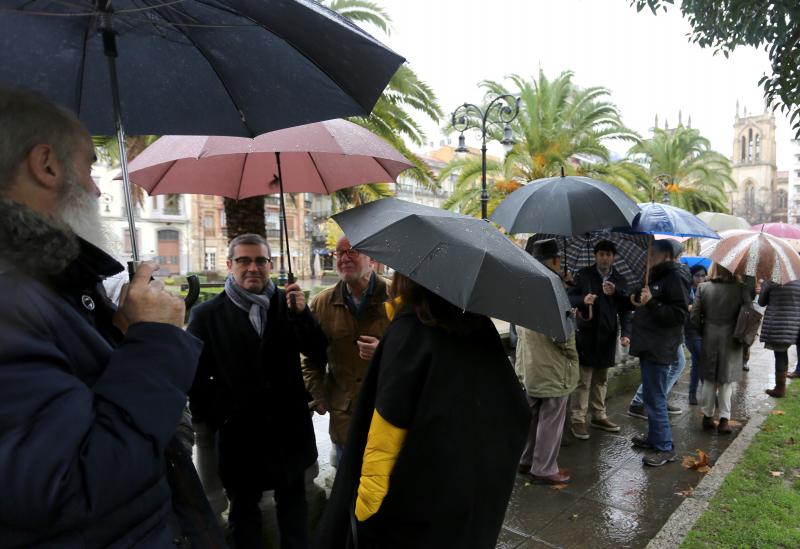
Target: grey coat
(714, 313)
(781, 325)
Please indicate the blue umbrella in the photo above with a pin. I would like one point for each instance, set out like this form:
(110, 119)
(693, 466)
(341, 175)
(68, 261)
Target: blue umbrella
(192, 67)
(655, 218)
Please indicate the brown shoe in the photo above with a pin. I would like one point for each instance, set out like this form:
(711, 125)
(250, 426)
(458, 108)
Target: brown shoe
(780, 386)
(559, 478)
(793, 375)
(579, 431)
(724, 428)
(708, 423)
(605, 425)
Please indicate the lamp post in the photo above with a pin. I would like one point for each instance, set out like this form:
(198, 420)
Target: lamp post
(468, 116)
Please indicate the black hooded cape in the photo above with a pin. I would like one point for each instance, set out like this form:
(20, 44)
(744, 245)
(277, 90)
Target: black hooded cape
(467, 422)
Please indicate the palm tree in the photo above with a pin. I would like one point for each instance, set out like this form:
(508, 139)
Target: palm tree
(391, 118)
(559, 126)
(695, 176)
(107, 148)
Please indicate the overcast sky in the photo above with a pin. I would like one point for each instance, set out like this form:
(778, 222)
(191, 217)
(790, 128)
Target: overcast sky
(646, 61)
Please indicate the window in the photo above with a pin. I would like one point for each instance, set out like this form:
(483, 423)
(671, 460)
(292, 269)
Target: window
(210, 260)
(208, 223)
(126, 241)
(172, 204)
(272, 220)
(749, 196)
(750, 145)
(758, 147)
(782, 201)
(223, 221)
(744, 148)
(168, 235)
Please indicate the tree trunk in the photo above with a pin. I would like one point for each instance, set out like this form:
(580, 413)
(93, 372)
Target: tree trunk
(245, 216)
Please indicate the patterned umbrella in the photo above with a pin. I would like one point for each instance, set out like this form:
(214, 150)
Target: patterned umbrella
(760, 255)
(578, 252)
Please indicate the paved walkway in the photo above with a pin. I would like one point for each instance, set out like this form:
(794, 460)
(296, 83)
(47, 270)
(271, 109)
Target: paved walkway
(613, 501)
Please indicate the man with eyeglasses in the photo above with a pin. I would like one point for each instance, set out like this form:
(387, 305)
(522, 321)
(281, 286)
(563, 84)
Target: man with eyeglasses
(249, 389)
(353, 317)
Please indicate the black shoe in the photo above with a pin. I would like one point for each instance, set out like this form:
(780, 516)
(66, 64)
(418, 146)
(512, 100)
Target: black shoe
(640, 441)
(674, 410)
(657, 459)
(637, 411)
(708, 423)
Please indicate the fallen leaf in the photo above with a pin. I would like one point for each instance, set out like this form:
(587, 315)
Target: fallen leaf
(776, 473)
(558, 487)
(685, 493)
(789, 440)
(734, 423)
(778, 413)
(699, 463)
(574, 517)
(527, 484)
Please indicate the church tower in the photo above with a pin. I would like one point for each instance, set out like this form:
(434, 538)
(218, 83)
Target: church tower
(757, 197)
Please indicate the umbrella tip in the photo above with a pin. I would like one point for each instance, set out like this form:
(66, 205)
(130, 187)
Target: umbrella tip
(562, 171)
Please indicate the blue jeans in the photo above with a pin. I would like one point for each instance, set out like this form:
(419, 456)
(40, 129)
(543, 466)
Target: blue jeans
(694, 345)
(655, 380)
(675, 370)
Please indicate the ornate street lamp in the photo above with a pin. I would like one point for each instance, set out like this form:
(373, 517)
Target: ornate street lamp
(665, 180)
(468, 116)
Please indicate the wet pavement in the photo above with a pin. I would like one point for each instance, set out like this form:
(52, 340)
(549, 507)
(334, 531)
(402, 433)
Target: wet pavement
(613, 500)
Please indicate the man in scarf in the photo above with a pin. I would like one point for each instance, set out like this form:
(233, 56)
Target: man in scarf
(249, 390)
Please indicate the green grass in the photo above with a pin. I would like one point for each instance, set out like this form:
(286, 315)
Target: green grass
(754, 508)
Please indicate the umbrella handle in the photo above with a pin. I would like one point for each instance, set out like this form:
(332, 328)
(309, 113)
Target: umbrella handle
(646, 274)
(586, 318)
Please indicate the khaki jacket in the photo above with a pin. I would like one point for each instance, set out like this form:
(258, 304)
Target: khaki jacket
(547, 368)
(338, 385)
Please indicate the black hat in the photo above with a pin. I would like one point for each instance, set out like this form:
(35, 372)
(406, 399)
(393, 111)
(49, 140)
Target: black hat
(545, 249)
(605, 246)
(674, 247)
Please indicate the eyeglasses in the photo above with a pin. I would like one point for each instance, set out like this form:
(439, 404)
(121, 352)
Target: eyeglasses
(350, 251)
(247, 261)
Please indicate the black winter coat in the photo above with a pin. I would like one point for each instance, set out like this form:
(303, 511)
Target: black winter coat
(251, 389)
(86, 417)
(657, 329)
(781, 325)
(597, 338)
(467, 422)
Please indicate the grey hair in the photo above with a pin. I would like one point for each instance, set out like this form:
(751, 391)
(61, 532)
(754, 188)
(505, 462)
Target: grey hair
(28, 119)
(249, 238)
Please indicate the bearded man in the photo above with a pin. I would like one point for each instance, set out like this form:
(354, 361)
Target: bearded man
(90, 395)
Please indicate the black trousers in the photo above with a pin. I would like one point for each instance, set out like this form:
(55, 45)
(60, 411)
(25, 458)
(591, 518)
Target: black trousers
(781, 361)
(292, 511)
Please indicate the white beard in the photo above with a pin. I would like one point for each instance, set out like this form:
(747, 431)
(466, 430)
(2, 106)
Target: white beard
(80, 210)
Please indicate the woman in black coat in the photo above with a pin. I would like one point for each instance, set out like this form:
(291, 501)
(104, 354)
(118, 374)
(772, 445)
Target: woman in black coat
(781, 326)
(433, 447)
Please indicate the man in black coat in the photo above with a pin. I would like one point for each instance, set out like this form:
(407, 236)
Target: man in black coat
(601, 295)
(249, 388)
(90, 395)
(657, 332)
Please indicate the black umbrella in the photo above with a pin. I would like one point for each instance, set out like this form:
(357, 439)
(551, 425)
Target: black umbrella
(578, 251)
(192, 67)
(462, 259)
(565, 206)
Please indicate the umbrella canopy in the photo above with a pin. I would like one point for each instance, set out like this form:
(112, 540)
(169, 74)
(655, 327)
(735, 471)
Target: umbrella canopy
(722, 221)
(707, 245)
(462, 259)
(565, 206)
(781, 230)
(319, 158)
(759, 255)
(664, 219)
(578, 252)
(216, 67)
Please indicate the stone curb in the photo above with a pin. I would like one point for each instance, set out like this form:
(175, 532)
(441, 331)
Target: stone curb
(684, 517)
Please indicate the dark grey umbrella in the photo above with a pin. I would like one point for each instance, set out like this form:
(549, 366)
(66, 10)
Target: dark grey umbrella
(565, 206)
(462, 259)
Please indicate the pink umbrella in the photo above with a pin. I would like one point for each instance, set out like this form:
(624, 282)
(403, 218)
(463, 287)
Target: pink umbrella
(317, 158)
(781, 230)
